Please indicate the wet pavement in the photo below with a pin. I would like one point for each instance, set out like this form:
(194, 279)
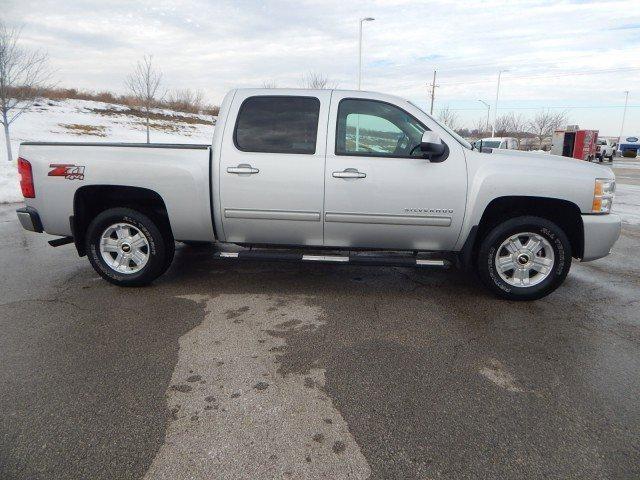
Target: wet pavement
(313, 371)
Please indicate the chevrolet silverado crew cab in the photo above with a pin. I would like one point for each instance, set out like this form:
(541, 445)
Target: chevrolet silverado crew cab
(323, 176)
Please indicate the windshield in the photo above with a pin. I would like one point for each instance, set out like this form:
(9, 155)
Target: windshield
(457, 137)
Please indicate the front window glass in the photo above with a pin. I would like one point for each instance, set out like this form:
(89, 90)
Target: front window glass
(372, 128)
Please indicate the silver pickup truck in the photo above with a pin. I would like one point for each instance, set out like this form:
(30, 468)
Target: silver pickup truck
(336, 176)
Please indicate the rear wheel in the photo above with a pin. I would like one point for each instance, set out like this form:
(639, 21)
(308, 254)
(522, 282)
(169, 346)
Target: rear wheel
(127, 248)
(524, 258)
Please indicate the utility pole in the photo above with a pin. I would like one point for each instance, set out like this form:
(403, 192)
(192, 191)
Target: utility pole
(624, 114)
(495, 108)
(433, 92)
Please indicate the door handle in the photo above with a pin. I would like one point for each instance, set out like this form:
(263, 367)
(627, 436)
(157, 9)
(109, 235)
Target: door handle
(243, 168)
(349, 173)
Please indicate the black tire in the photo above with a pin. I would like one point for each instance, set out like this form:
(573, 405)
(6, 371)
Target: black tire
(486, 261)
(160, 249)
(170, 245)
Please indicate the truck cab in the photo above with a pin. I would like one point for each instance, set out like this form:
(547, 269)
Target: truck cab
(335, 168)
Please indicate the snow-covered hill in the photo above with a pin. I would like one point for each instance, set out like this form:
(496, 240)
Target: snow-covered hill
(88, 121)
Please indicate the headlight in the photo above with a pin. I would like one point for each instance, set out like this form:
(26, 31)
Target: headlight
(603, 195)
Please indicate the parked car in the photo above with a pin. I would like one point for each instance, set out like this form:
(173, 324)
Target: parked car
(506, 143)
(605, 149)
(346, 177)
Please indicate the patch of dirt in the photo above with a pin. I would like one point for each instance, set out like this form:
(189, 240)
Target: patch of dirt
(81, 130)
(152, 115)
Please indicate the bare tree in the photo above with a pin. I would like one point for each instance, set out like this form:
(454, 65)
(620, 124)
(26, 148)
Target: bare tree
(502, 126)
(480, 127)
(24, 75)
(448, 117)
(545, 123)
(269, 84)
(186, 100)
(317, 81)
(517, 125)
(143, 84)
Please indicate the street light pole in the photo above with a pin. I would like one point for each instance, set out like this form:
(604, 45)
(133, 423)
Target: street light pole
(365, 19)
(624, 114)
(495, 109)
(488, 111)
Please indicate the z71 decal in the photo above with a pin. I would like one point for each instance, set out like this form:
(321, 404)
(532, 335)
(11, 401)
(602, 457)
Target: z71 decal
(68, 171)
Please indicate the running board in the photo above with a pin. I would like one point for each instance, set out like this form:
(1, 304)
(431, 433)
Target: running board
(352, 259)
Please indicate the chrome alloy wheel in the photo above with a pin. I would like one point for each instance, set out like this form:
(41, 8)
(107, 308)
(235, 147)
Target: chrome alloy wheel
(524, 259)
(124, 248)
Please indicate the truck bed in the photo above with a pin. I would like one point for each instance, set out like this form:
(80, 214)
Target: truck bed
(179, 173)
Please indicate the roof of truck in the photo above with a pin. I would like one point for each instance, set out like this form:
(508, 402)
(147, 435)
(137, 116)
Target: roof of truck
(306, 91)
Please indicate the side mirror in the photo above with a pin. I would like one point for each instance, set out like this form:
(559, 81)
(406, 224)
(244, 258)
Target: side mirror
(432, 146)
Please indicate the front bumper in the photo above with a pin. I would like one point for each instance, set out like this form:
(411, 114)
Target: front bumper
(29, 219)
(600, 233)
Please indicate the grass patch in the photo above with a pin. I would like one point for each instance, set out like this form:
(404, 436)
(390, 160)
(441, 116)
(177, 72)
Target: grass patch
(152, 116)
(80, 130)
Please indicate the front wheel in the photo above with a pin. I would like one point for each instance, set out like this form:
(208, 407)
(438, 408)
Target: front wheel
(127, 248)
(524, 258)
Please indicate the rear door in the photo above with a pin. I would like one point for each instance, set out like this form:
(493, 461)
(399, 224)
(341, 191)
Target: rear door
(380, 192)
(272, 167)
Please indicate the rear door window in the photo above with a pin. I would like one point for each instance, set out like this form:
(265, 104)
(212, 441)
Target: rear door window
(278, 124)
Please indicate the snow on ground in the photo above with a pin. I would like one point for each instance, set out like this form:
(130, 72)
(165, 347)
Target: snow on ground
(88, 121)
(627, 203)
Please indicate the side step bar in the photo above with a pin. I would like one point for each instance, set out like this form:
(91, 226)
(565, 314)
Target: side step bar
(353, 259)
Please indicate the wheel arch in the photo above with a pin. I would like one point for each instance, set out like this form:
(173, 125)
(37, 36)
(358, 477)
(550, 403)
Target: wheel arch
(90, 200)
(563, 213)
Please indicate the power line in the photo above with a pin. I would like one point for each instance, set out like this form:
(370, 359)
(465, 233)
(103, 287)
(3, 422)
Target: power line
(566, 107)
(564, 74)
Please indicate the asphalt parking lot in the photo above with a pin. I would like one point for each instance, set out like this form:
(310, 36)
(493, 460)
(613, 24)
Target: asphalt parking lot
(313, 371)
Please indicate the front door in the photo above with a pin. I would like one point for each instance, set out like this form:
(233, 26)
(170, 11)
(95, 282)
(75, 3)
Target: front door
(272, 168)
(379, 191)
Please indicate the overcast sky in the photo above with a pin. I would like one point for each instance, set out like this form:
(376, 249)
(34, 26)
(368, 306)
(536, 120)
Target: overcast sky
(551, 49)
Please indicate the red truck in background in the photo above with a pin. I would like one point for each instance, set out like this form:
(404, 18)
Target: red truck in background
(576, 143)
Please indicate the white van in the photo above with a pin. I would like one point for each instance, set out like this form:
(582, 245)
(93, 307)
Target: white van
(505, 143)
